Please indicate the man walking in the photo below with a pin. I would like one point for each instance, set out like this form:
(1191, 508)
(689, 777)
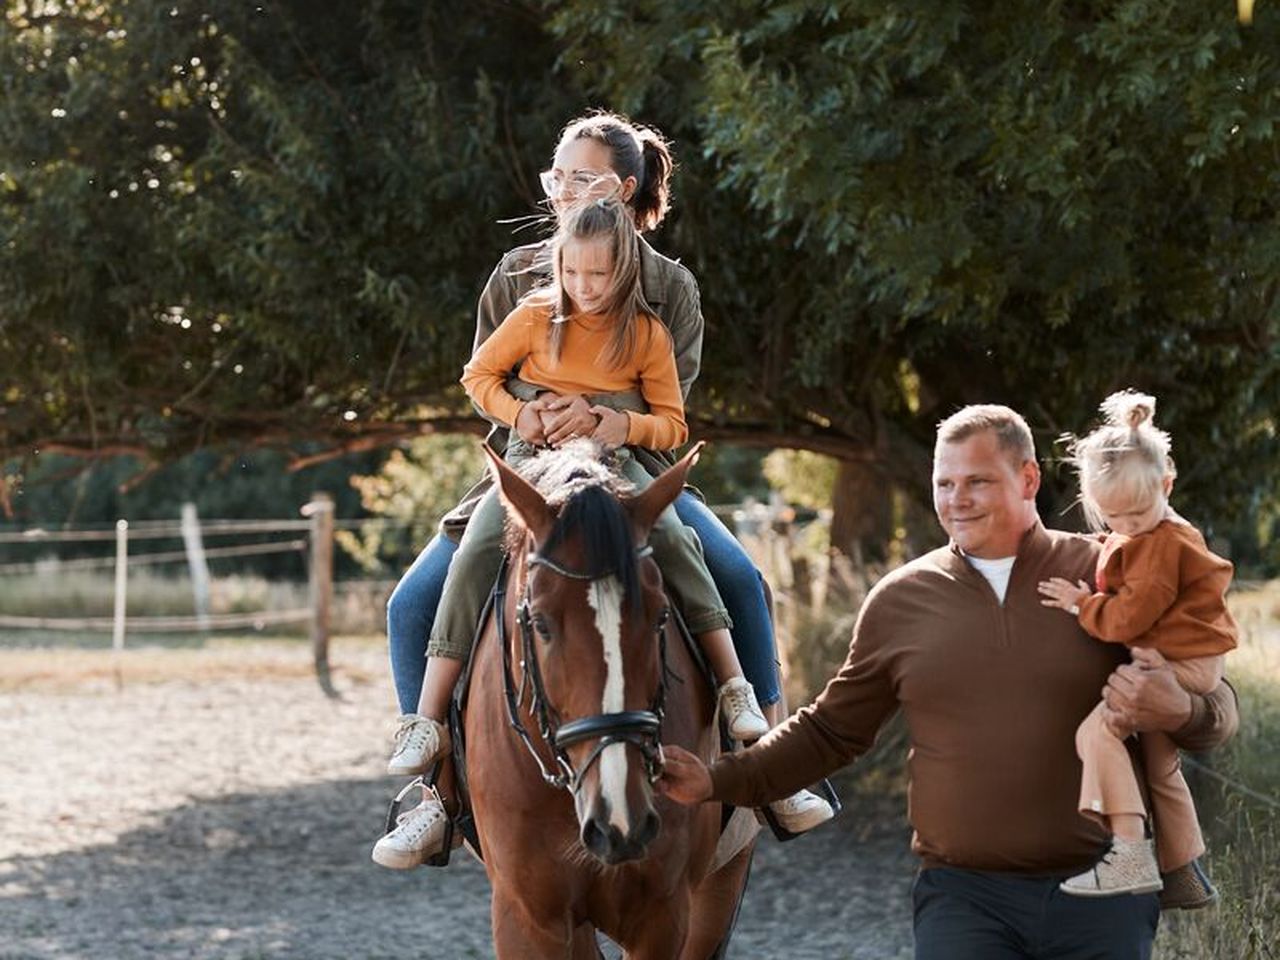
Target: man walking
(992, 685)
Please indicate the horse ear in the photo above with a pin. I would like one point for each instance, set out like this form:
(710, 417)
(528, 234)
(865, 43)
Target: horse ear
(646, 505)
(520, 497)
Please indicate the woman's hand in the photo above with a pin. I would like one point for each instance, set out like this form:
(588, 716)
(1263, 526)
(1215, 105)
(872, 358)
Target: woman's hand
(528, 425)
(685, 778)
(567, 418)
(613, 428)
(1063, 594)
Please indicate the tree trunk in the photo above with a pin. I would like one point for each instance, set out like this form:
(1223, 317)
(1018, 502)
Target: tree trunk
(861, 511)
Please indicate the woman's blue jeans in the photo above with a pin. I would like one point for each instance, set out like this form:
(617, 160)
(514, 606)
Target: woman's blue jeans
(412, 607)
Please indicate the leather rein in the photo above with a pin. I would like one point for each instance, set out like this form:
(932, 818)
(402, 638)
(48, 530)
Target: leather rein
(640, 728)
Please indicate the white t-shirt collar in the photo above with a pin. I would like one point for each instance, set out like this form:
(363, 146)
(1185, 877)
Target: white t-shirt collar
(996, 572)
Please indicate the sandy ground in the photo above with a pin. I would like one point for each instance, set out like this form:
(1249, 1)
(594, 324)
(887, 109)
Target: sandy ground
(231, 817)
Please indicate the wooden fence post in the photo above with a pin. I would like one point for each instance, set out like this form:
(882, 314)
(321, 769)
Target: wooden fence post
(320, 512)
(121, 599)
(197, 564)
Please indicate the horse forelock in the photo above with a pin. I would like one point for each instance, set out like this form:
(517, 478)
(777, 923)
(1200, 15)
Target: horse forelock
(594, 519)
(584, 492)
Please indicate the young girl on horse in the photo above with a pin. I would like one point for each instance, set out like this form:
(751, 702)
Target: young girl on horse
(1158, 587)
(589, 332)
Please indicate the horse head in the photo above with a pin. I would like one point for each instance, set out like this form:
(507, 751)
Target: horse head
(591, 618)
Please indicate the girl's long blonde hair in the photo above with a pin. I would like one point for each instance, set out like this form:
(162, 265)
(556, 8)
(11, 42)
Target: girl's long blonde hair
(1127, 458)
(610, 220)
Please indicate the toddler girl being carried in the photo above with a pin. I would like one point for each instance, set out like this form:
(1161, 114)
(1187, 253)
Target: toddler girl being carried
(1158, 587)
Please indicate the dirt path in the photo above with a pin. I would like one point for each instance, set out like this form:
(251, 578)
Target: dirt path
(232, 818)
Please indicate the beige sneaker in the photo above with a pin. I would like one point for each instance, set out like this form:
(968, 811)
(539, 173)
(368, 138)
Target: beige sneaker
(419, 741)
(419, 834)
(802, 811)
(1128, 867)
(737, 701)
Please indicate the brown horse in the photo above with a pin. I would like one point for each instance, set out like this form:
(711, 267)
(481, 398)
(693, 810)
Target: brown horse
(577, 678)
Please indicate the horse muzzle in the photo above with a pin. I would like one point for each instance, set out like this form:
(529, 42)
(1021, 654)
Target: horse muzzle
(609, 844)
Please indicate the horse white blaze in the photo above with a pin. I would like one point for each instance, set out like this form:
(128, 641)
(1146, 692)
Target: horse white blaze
(605, 597)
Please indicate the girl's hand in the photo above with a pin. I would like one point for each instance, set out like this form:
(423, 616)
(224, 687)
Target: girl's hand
(528, 425)
(685, 778)
(1060, 593)
(613, 428)
(568, 418)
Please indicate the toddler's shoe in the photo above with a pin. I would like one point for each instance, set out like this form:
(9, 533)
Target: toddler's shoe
(737, 701)
(1128, 867)
(1187, 888)
(419, 741)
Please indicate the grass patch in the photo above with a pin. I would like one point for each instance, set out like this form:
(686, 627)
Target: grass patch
(220, 658)
(77, 593)
(359, 606)
(1242, 832)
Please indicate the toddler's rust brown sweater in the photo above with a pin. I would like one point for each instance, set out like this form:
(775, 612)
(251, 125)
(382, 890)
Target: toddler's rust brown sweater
(1163, 589)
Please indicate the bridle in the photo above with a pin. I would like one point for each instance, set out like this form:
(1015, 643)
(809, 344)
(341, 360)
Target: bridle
(640, 728)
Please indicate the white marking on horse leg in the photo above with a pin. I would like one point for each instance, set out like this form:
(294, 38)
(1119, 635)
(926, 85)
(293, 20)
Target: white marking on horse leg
(605, 596)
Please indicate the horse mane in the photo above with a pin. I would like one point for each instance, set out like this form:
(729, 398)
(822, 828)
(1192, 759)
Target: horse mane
(584, 492)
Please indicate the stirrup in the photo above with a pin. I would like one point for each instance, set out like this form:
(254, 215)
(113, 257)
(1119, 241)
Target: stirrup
(822, 788)
(427, 783)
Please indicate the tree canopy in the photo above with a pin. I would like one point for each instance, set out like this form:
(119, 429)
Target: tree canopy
(268, 224)
(253, 224)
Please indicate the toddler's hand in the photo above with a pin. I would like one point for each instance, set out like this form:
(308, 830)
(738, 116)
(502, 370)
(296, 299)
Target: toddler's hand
(1063, 594)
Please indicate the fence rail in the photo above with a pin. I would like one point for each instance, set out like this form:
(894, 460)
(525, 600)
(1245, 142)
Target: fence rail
(216, 621)
(143, 559)
(154, 530)
(317, 521)
(172, 530)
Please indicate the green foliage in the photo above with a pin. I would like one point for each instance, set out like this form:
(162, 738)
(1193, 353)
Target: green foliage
(232, 222)
(413, 488)
(269, 222)
(801, 477)
(729, 474)
(1025, 203)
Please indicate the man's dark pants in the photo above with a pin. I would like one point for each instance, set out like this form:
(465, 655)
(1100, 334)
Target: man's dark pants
(972, 915)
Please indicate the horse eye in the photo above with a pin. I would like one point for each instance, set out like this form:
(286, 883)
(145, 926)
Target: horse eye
(540, 625)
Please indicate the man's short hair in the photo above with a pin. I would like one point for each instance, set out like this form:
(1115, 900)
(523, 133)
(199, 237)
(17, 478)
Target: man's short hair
(1012, 433)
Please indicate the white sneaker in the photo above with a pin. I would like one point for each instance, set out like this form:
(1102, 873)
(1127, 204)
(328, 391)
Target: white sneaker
(419, 742)
(419, 834)
(1128, 867)
(802, 811)
(737, 701)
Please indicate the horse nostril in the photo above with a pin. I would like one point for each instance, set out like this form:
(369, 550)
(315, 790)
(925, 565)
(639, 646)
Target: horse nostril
(595, 837)
(648, 828)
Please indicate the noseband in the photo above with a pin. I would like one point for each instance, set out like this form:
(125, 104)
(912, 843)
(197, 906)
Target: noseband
(640, 728)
